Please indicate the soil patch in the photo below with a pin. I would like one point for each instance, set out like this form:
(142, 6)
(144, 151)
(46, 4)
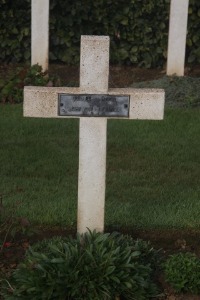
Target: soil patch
(119, 76)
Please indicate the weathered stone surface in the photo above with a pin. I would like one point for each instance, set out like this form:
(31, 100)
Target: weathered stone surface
(94, 64)
(92, 174)
(177, 37)
(42, 102)
(40, 33)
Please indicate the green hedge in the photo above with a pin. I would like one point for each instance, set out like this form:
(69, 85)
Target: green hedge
(138, 29)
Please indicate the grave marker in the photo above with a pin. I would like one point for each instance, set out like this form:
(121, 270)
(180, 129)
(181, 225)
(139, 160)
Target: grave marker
(40, 33)
(100, 103)
(177, 37)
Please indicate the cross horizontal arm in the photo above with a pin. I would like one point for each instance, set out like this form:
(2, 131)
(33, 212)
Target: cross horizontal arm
(42, 102)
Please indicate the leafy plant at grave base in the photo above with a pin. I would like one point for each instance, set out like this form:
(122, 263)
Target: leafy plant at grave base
(10, 224)
(90, 267)
(138, 30)
(12, 90)
(182, 271)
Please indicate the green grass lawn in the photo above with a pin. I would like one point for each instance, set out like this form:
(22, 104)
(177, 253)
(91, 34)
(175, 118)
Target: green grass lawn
(153, 169)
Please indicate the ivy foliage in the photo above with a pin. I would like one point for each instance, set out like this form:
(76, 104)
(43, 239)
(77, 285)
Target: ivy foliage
(11, 90)
(193, 37)
(15, 30)
(138, 29)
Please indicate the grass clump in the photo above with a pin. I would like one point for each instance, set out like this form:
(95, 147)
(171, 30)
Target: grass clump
(90, 267)
(179, 91)
(152, 169)
(182, 271)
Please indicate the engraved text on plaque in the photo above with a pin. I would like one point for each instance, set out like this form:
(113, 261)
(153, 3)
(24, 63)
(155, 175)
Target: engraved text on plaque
(93, 105)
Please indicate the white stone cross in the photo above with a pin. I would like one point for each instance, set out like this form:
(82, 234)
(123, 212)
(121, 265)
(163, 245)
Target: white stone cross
(42, 102)
(40, 33)
(177, 37)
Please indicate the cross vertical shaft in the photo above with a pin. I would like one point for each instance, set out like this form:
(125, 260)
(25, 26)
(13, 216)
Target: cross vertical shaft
(94, 71)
